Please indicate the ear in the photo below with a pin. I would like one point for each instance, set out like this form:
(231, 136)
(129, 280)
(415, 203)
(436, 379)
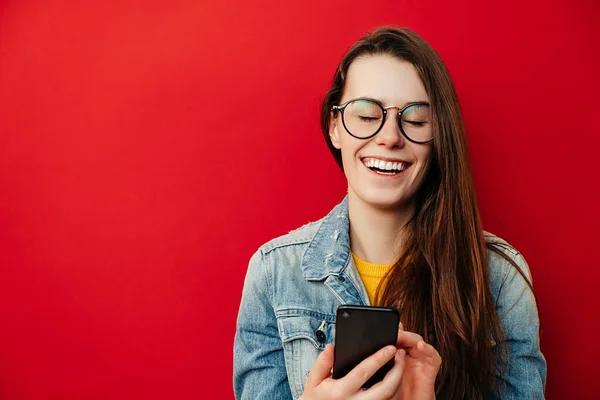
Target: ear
(334, 131)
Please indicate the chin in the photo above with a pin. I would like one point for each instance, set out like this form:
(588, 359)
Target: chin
(383, 201)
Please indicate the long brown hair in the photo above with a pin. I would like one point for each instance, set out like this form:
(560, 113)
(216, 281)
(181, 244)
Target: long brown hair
(440, 284)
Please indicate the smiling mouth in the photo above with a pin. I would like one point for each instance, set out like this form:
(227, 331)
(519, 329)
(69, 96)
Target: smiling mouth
(383, 167)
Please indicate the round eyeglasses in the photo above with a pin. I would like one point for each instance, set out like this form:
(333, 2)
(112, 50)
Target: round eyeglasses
(363, 118)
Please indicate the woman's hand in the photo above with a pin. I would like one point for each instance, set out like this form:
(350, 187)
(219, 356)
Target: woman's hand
(421, 366)
(320, 384)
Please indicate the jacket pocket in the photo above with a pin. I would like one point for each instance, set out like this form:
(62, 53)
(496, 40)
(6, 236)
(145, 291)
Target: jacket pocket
(304, 334)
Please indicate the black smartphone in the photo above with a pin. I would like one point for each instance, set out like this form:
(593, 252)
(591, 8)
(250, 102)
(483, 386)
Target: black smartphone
(361, 331)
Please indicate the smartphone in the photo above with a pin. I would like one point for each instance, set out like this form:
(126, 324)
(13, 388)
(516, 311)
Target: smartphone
(361, 331)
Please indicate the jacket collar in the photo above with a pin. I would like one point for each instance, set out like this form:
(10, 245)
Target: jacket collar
(328, 252)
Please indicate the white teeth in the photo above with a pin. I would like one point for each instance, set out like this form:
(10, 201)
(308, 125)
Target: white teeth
(385, 165)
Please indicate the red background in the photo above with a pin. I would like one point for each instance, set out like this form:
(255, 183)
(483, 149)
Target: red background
(148, 148)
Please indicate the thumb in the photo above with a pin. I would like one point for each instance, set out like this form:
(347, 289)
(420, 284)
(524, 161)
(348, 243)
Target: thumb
(321, 369)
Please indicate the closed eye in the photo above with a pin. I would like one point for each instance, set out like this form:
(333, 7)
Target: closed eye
(368, 119)
(416, 123)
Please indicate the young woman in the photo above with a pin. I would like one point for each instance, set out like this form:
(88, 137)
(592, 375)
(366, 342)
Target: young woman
(407, 235)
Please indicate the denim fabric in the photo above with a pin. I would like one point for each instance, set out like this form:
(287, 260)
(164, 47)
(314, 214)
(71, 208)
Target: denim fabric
(295, 283)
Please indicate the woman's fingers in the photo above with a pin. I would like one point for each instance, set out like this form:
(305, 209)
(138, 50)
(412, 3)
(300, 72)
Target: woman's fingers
(321, 369)
(408, 339)
(416, 347)
(389, 386)
(424, 350)
(355, 379)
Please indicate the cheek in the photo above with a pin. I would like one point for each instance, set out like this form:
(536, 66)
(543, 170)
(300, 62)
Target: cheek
(349, 147)
(424, 161)
(424, 154)
(348, 161)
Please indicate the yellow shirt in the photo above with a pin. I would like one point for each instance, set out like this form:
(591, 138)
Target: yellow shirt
(371, 274)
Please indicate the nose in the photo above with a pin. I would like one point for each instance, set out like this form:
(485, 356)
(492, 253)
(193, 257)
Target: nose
(390, 134)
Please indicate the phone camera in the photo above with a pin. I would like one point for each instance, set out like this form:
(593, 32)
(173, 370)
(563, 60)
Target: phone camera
(346, 314)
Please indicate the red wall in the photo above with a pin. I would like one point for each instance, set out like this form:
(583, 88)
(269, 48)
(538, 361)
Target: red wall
(148, 148)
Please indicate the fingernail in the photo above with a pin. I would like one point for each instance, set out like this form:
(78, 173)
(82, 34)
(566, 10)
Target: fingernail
(402, 353)
(388, 351)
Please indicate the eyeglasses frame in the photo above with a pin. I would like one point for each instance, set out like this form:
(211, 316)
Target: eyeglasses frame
(342, 106)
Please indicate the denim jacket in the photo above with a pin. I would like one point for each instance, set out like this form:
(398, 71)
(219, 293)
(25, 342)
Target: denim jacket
(295, 283)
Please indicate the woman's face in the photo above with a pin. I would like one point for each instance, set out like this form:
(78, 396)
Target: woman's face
(393, 83)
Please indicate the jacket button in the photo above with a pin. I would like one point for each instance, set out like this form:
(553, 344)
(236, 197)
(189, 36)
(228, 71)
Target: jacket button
(320, 336)
(341, 278)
